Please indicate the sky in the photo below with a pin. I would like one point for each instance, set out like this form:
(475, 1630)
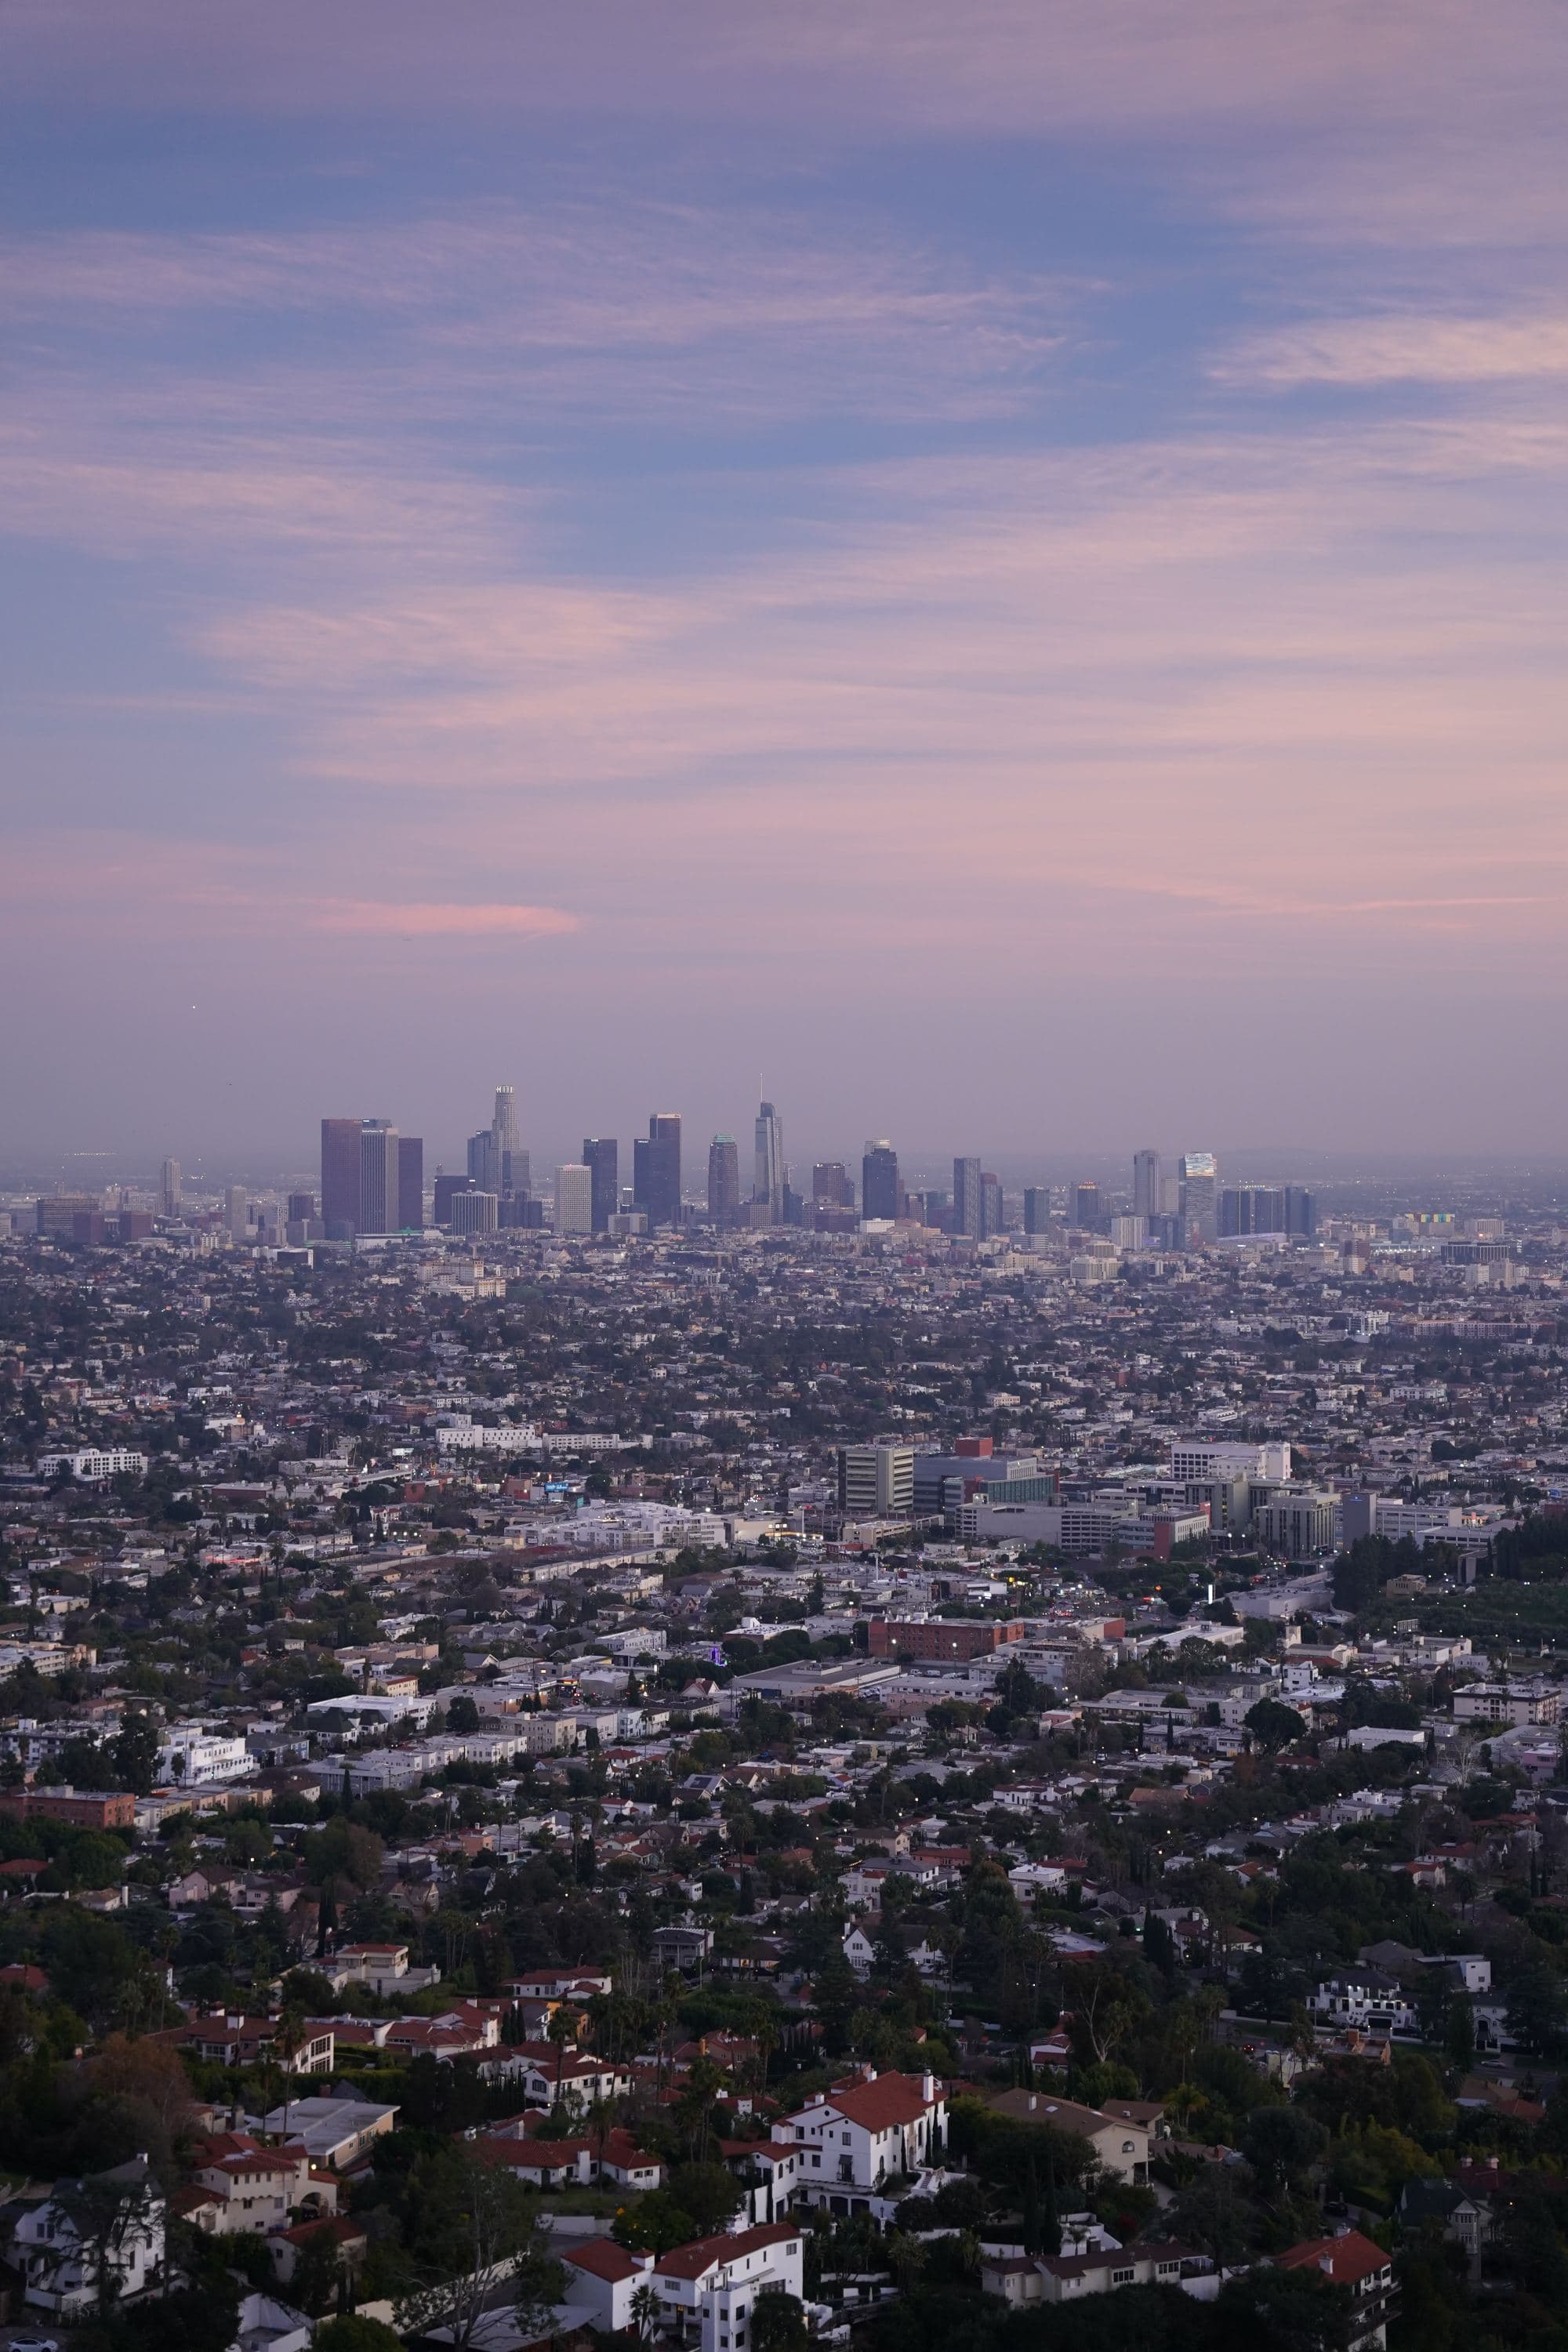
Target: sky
(999, 569)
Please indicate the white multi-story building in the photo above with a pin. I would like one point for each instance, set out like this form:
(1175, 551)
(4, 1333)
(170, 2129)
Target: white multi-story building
(878, 2129)
(710, 2288)
(1510, 1703)
(193, 1758)
(1205, 1458)
(93, 1462)
(62, 2245)
(574, 1198)
(476, 1437)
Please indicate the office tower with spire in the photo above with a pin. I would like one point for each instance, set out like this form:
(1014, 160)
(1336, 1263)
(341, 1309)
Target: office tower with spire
(881, 1194)
(510, 1163)
(768, 1178)
(1146, 1197)
(377, 1176)
(724, 1182)
(602, 1158)
(169, 1189)
(339, 1178)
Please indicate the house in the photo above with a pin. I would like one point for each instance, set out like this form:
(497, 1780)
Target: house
(112, 2220)
(1350, 2260)
(268, 2325)
(709, 2288)
(1120, 2140)
(255, 2189)
(1461, 2216)
(578, 2080)
(865, 2134)
(859, 1951)
(768, 2171)
(630, 2166)
(348, 2239)
(540, 2163)
(605, 2277)
(1067, 2278)
(334, 2132)
(1364, 1997)
(383, 1968)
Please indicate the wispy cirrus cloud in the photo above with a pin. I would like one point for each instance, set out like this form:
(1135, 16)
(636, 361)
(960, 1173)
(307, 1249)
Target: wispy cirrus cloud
(1402, 348)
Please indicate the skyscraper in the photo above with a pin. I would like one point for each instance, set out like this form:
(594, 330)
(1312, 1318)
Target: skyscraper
(484, 1161)
(602, 1158)
(1037, 1209)
(768, 1180)
(511, 1168)
(966, 1198)
(574, 1198)
(410, 1183)
(830, 1185)
(1085, 1206)
(1199, 1174)
(880, 1180)
(992, 1217)
(1146, 1201)
(656, 1169)
(474, 1212)
(724, 1181)
(377, 1176)
(237, 1210)
(169, 1188)
(339, 1178)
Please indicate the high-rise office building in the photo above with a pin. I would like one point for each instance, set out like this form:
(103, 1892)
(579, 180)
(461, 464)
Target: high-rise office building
(484, 1161)
(410, 1183)
(301, 1208)
(1199, 1175)
(377, 1176)
(1085, 1206)
(724, 1181)
(768, 1177)
(992, 1210)
(656, 1169)
(509, 1166)
(1146, 1201)
(876, 1481)
(602, 1158)
(574, 1198)
(169, 1188)
(1037, 1208)
(966, 1198)
(475, 1213)
(237, 1212)
(339, 1178)
(1250, 1209)
(1300, 1212)
(445, 1192)
(880, 1192)
(830, 1185)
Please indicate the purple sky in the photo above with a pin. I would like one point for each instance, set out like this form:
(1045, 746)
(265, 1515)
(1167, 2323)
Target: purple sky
(1002, 566)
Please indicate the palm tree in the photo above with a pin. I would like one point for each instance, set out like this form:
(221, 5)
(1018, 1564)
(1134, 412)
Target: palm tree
(645, 2311)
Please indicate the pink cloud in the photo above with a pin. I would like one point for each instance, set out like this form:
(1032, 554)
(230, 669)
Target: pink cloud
(413, 921)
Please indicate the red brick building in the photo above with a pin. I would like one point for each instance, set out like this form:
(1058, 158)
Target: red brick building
(938, 1637)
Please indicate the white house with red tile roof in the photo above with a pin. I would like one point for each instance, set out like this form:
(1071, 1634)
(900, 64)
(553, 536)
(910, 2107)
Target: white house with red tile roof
(710, 2288)
(605, 2277)
(865, 2134)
